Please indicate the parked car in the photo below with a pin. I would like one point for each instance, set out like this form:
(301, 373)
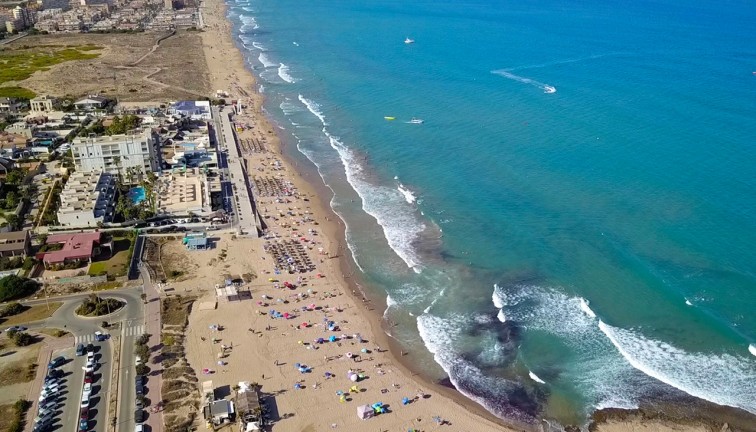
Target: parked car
(90, 348)
(84, 414)
(139, 389)
(138, 416)
(55, 373)
(80, 349)
(84, 402)
(16, 328)
(139, 380)
(100, 336)
(139, 428)
(83, 425)
(57, 361)
(139, 404)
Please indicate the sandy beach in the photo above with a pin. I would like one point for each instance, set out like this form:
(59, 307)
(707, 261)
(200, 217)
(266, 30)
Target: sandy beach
(266, 350)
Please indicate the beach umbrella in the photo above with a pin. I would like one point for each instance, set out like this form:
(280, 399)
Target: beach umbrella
(302, 369)
(312, 306)
(364, 350)
(321, 340)
(349, 355)
(328, 375)
(405, 401)
(354, 378)
(297, 365)
(339, 392)
(342, 399)
(286, 315)
(354, 389)
(332, 338)
(298, 386)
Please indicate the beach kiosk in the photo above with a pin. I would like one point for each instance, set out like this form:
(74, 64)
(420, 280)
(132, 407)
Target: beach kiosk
(365, 412)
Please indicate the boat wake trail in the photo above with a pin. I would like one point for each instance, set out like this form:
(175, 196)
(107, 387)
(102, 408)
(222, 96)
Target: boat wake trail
(507, 74)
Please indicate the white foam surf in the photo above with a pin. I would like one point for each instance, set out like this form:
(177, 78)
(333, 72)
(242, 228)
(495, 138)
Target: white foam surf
(535, 378)
(723, 379)
(248, 23)
(265, 60)
(440, 336)
(752, 349)
(501, 316)
(584, 306)
(283, 72)
(314, 108)
(408, 195)
(401, 227)
(601, 374)
(507, 74)
(259, 46)
(687, 302)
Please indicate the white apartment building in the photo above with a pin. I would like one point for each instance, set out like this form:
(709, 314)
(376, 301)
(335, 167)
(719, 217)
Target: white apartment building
(116, 152)
(87, 198)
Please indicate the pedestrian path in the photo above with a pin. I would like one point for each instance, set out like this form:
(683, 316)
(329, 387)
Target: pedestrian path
(136, 330)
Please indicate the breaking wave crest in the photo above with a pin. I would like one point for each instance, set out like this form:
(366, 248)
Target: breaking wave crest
(401, 226)
(720, 378)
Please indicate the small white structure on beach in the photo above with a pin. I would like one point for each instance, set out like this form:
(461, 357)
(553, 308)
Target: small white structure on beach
(365, 412)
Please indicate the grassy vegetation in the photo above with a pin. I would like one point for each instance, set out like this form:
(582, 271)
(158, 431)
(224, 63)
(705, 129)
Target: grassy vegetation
(116, 265)
(20, 371)
(105, 286)
(6, 416)
(33, 313)
(17, 93)
(175, 310)
(53, 332)
(20, 63)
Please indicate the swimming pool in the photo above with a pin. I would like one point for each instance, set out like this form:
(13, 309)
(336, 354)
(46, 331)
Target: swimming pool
(137, 194)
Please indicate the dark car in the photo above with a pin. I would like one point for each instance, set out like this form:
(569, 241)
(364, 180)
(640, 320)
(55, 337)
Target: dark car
(80, 349)
(57, 361)
(55, 373)
(139, 416)
(90, 348)
(139, 389)
(139, 404)
(139, 380)
(84, 414)
(83, 425)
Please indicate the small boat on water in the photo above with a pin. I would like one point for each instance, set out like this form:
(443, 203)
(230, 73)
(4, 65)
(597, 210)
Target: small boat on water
(549, 89)
(409, 41)
(416, 121)
(389, 118)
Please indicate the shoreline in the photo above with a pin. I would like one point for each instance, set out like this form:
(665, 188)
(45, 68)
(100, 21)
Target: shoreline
(334, 229)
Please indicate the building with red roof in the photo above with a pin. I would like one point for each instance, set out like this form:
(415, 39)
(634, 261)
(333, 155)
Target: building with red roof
(77, 247)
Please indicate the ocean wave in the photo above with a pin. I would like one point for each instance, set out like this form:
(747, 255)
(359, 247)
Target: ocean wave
(290, 108)
(535, 378)
(314, 108)
(584, 306)
(248, 23)
(441, 336)
(283, 72)
(401, 227)
(266, 62)
(506, 74)
(259, 46)
(752, 349)
(601, 375)
(408, 195)
(720, 378)
(501, 316)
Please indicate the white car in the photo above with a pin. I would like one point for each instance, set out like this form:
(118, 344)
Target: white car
(88, 369)
(88, 388)
(84, 402)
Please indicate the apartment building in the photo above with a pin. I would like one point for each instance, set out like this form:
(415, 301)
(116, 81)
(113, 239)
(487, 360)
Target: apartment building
(87, 198)
(116, 153)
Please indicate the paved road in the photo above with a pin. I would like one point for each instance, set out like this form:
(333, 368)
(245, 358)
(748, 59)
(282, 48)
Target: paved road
(133, 327)
(153, 326)
(129, 324)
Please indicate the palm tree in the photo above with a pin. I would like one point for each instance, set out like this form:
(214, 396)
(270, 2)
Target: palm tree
(117, 162)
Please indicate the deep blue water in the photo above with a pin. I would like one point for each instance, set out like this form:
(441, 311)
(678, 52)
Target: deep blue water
(551, 252)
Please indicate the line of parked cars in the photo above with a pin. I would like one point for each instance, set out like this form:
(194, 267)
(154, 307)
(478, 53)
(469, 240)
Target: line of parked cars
(139, 383)
(49, 404)
(86, 391)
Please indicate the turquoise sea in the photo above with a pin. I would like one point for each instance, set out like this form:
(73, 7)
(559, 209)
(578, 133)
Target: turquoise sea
(573, 225)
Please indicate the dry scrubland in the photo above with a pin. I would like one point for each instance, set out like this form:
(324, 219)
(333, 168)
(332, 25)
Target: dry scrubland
(130, 67)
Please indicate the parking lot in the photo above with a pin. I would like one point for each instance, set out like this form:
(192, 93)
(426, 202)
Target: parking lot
(62, 401)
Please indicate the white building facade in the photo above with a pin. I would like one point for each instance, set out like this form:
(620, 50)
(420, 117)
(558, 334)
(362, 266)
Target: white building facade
(87, 199)
(117, 153)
